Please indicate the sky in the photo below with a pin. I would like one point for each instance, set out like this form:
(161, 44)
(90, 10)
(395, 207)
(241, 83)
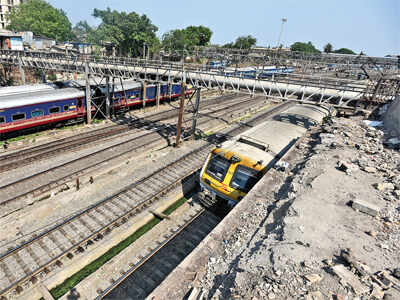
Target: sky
(371, 26)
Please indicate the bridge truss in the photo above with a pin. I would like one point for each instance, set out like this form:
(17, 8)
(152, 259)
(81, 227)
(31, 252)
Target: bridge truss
(307, 84)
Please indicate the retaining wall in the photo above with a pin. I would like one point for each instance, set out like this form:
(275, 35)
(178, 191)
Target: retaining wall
(392, 118)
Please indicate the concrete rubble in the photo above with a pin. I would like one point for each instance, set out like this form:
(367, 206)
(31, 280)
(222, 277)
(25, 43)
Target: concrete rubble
(331, 230)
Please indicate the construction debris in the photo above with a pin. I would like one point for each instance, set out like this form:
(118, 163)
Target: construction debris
(365, 207)
(313, 278)
(293, 242)
(349, 278)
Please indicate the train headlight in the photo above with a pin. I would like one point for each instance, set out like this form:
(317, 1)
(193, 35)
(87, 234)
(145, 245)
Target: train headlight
(235, 159)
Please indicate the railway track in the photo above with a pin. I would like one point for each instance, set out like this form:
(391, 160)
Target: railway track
(144, 276)
(25, 264)
(45, 251)
(23, 157)
(47, 180)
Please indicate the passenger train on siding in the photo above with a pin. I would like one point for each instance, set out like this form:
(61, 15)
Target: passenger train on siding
(235, 166)
(27, 107)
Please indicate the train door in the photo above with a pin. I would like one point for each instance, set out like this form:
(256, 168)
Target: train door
(80, 107)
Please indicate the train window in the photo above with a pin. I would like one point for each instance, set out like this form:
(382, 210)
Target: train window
(217, 167)
(66, 107)
(54, 110)
(37, 113)
(2, 120)
(244, 179)
(17, 117)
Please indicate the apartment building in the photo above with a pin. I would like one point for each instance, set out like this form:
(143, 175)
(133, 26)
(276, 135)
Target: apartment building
(5, 8)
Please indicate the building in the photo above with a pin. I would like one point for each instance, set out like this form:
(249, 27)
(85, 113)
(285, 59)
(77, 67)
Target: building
(10, 40)
(5, 8)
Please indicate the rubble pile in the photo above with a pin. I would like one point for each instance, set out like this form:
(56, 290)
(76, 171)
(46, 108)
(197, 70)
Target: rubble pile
(330, 231)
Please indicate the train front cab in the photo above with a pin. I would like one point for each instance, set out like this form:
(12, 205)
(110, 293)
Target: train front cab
(228, 176)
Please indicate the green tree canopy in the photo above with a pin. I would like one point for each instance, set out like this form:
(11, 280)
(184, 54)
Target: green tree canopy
(328, 48)
(42, 19)
(344, 51)
(304, 47)
(128, 31)
(197, 35)
(245, 42)
(242, 42)
(187, 38)
(174, 40)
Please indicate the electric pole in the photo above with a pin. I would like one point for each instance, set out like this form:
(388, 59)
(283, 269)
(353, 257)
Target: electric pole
(284, 20)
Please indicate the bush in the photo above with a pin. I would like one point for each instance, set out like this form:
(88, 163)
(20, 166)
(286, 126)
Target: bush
(52, 77)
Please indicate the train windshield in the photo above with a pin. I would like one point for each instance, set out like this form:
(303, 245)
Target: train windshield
(217, 167)
(244, 179)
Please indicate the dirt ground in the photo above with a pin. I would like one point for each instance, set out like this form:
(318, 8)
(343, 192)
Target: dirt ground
(330, 230)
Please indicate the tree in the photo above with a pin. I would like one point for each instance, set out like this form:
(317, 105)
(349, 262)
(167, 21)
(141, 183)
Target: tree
(82, 31)
(174, 40)
(187, 38)
(128, 31)
(344, 51)
(242, 42)
(304, 47)
(328, 48)
(197, 36)
(42, 19)
(245, 42)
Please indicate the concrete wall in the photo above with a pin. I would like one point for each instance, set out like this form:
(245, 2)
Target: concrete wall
(392, 118)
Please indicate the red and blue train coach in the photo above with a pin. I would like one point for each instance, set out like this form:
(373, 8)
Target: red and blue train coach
(131, 93)
(23, 110)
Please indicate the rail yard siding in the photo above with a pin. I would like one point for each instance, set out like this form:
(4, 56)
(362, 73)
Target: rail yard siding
(118, 236)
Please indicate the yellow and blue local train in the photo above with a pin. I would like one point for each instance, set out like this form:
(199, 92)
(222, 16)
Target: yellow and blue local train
(235, 166)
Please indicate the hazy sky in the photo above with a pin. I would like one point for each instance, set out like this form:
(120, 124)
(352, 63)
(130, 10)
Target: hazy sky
(368, 25)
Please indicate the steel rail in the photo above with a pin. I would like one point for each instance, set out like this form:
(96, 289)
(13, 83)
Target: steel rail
(50, 149)
(191, 162)
(164, 243)
(133, 211)
(154, 136)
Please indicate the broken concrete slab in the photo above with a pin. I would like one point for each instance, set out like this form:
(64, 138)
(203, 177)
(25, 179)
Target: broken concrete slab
(313, 278)
(350, 279)
(377, 293)
(361, 268)
(384, 186)
(370, 169)
(327, 138)
(386, 280)
(365, 207)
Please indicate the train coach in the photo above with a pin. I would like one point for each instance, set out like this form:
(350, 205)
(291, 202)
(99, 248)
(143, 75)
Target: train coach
(35, 106)
(235, 166)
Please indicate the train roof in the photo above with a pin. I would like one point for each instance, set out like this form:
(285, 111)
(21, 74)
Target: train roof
(20, 89)
(269, 138)
(17, 100)
(126, 85)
